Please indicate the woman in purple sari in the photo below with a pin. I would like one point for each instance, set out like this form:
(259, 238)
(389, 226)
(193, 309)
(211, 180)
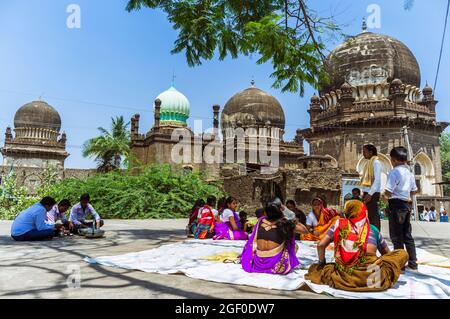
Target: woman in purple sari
(229, 226)
(271, 247)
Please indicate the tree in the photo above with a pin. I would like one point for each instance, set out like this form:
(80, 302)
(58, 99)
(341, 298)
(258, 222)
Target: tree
(444, 142)
(287, 33)
(13, 197)
(110, 148)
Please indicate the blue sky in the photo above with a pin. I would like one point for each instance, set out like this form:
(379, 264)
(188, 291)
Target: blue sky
(118, 62)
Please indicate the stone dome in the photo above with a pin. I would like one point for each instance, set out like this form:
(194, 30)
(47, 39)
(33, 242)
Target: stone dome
(37, 114)
(371, 58)
(175, 107)
(252, 107)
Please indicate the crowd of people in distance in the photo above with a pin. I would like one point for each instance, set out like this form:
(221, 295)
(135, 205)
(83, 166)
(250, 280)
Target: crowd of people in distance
(430, 215)
(355, 233)
(47, 219)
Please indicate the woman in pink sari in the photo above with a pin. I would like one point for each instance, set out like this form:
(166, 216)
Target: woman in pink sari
(229, 226)
(271, 247)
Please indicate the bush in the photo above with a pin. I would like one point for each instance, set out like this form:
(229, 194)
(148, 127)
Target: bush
(157, 191)
(13, 199)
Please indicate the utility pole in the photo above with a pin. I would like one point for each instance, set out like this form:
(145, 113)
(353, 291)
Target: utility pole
(411, 167)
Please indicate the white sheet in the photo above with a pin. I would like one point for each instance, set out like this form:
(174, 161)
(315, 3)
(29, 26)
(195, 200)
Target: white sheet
(186, 257)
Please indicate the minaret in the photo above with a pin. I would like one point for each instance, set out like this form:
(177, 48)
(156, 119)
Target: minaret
(364, 26)
(216, 109)
(157, 113)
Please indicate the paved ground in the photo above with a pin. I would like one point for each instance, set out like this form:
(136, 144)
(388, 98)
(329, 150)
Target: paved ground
(40, 270)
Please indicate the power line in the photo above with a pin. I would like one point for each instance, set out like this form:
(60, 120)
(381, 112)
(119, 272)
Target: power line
(442, 45)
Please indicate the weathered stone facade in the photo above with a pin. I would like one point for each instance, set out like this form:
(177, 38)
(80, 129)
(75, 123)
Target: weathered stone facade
(37, 145)
(372, 97)
(36, 141)
(32, 177)
(252, 121)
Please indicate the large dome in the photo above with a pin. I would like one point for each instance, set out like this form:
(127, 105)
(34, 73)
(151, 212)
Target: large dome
(371, 58)
(252, 107)
(37, 114)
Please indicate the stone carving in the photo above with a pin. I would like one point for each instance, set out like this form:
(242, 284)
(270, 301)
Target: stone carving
(371, 75)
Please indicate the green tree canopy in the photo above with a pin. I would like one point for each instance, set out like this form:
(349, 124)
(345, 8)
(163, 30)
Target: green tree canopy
(286, 33)
(110, 147)
(445, 159)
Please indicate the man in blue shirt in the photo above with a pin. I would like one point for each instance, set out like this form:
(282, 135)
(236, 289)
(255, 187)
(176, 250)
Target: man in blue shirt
(30, 224)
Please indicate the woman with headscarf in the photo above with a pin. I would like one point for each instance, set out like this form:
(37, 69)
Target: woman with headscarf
(230, 226)
(356, 266)
(271, 247)
(319, 220)
(193, 216)
(206, 220)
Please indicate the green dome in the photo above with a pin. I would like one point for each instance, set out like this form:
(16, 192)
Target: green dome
(175, 107)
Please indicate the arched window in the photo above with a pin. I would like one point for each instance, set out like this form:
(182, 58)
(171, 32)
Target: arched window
(417, 169)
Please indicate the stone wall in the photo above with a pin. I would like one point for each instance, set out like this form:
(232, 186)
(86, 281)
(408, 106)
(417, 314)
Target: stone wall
(346, 147)
(32, 178)
(254, 190)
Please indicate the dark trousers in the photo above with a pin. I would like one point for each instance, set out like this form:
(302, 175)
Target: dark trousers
(400, 228)
(35, 235)
(373, 210)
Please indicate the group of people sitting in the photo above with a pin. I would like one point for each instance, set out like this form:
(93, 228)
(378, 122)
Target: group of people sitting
(47, 219)
(271, 246)
(223, 222)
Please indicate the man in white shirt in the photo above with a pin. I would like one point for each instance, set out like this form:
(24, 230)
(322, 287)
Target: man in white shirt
(432, 214)
(371, 184)
(424, 216)
(400, 186)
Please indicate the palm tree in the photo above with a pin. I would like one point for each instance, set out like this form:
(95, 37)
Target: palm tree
(110, 147)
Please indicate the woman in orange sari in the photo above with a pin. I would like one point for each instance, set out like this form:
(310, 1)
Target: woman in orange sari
(357, 266)
(319, 220)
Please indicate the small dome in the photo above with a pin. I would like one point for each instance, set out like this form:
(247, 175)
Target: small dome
(346, 86)
(427, 90)
(370, 58)
(252, 107)
(396, 82)
(175, 107)
(315, 99)
(37, 114)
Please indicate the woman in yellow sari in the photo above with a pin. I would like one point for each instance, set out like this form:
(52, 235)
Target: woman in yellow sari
(356, 266)
(319, 220)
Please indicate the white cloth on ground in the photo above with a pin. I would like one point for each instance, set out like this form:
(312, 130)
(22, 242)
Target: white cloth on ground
(187, 258)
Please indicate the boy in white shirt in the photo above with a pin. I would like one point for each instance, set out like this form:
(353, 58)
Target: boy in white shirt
(400, 186)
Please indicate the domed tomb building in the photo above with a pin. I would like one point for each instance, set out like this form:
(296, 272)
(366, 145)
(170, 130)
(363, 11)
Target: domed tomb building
(260, 118)
(171, 111)
(248, 118)
(36, 141)
(374, 92)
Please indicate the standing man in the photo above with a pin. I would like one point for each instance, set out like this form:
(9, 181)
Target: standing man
(400, 187)
(371, 184)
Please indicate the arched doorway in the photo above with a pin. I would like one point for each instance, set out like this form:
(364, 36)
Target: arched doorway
(424, 174)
